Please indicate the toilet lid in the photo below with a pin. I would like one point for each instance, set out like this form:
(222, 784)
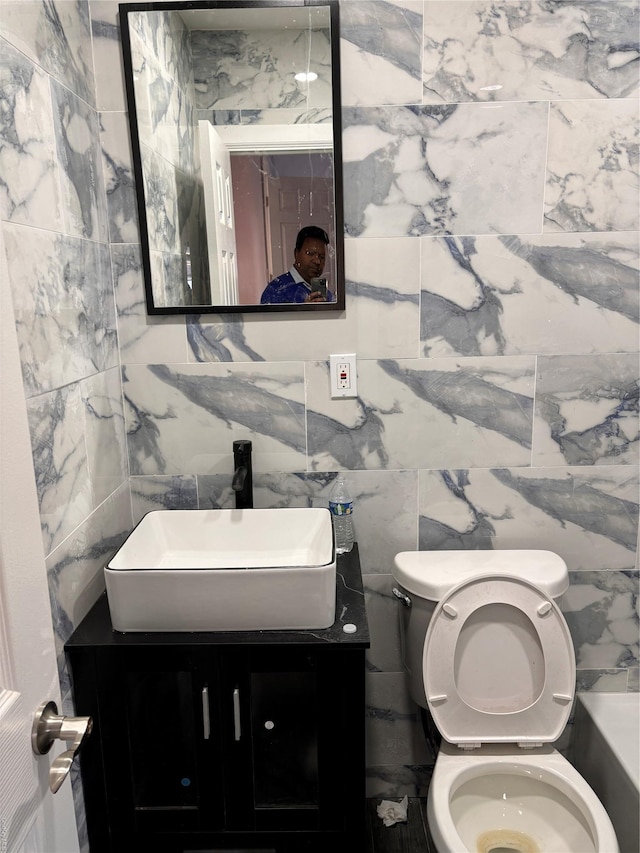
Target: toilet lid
(498, 664)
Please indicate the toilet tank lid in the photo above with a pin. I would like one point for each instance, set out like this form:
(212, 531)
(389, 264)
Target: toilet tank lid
(431, 574)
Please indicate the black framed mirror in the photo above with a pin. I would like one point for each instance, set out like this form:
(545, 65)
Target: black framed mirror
(234, 111)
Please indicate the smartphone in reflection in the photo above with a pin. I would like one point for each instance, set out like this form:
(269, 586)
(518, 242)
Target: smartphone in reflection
(319, 285)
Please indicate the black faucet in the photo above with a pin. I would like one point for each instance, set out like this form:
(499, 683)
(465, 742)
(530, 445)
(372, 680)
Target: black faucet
(242, 483)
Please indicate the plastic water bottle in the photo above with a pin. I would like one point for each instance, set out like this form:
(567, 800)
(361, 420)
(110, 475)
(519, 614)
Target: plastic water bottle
(341, 507)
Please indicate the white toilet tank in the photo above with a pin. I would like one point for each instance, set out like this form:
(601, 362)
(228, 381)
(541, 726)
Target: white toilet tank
(422, 578)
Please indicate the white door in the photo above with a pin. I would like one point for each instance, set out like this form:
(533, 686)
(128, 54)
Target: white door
(215, 163)
(32, 820)
(294, 203)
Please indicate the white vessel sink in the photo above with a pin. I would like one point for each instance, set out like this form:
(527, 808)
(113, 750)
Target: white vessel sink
(225, 570)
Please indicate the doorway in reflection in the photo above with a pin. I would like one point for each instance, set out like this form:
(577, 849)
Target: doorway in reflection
(296, 190)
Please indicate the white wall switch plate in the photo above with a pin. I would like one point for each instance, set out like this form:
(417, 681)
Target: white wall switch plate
(343, 375)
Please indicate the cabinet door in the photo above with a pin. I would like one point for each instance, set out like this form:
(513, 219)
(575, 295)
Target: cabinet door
(272, 753)
(161, 741)
(284, 734)
(284, 730)
(301, 718)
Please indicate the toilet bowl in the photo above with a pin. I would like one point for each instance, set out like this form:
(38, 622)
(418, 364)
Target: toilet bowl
(492, 801)
(489, 654)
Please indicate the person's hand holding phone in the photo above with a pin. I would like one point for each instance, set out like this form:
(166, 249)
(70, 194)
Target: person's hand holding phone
(318, 290)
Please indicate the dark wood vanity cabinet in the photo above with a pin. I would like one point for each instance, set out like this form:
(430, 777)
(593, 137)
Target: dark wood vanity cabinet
(225, 741)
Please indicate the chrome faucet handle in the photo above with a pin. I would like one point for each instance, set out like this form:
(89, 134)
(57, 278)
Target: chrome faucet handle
(48, 726)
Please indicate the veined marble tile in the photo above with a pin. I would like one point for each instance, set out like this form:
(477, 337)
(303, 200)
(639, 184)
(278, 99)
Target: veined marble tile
(394, 731)
(190, 214)
(232, 116)
(107, 55)
(382, 314)
(75, 567)
(384, 655)
(561, 293)
(57, 427)
(601, 680)
(589, 516)
(142, 338)
(166, 38)
(477, 50)
(161, 202)
(145, 69)
(396, 780)
(223, 337)
(215, 492)
(415, 413)
(63, 304)
(380, 51)
(78, 143)
(592, 167)
(602, 614)
(173, 202)
(165, 98)
(78, 442)
(586, 410)
(104, 433)
(153, 493)
(118, 178)
(157, 100)
(384, 517)
(57, 36)
(254, 69)
(212, 405)
(271, 490)
(29, 190)
(465, 169)
(300, 115)
(382, 286)
(167, 282)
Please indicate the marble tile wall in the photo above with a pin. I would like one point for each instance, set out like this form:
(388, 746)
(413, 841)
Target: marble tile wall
(244, 77)
(491, 185)
(162, 63)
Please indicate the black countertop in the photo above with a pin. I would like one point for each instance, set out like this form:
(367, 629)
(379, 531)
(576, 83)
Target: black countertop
(96, 628)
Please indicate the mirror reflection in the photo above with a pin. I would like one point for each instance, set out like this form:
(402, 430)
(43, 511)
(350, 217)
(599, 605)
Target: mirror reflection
(234, 116)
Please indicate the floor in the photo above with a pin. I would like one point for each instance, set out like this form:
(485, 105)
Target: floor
(410, 837)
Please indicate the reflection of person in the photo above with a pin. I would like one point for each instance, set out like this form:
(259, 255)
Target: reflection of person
(295, 285)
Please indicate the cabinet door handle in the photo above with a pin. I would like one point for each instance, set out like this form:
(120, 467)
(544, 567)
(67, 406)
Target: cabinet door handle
(236, 714)
(206, 722)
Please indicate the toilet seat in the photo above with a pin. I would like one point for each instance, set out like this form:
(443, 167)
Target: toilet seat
(498, 664)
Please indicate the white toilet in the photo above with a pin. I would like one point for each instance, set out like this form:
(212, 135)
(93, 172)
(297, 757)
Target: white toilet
(489, 654)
